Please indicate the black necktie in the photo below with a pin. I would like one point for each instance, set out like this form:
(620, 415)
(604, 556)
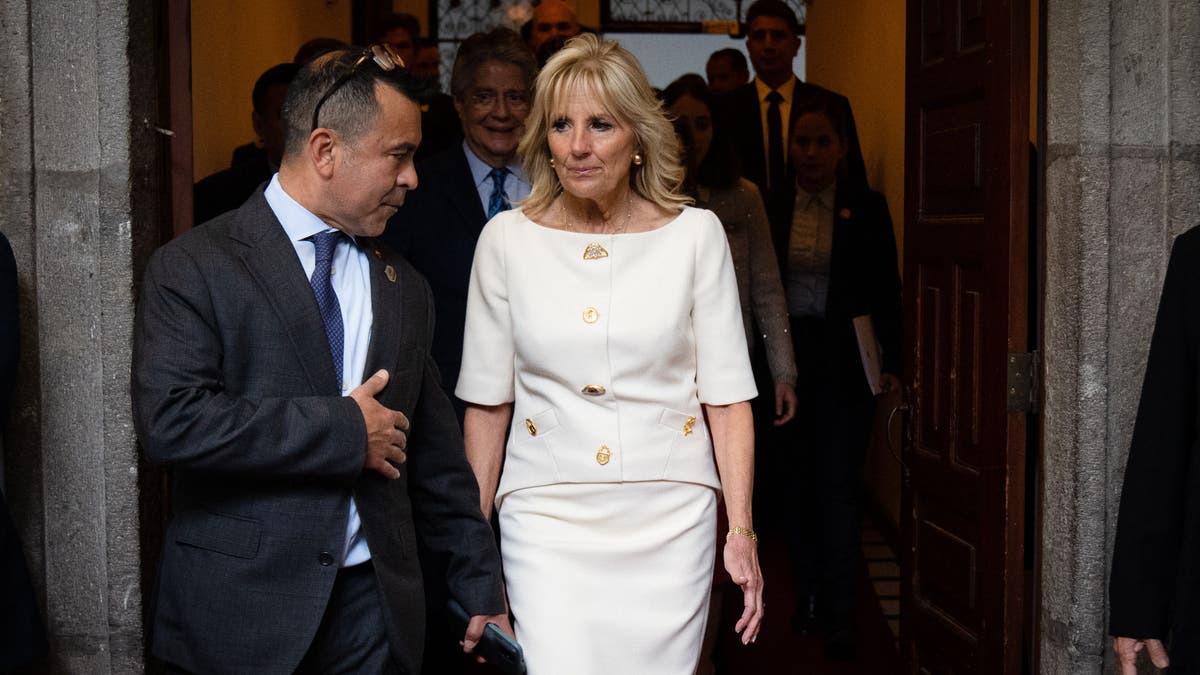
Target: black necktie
(775, 165)
(327, 300)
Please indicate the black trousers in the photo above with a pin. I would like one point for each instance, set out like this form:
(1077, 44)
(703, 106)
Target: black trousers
(352, 637)
(817, 468)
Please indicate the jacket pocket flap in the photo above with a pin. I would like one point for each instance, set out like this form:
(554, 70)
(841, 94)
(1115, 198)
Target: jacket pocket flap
(237, 537)
(541, 423)
(681, 422)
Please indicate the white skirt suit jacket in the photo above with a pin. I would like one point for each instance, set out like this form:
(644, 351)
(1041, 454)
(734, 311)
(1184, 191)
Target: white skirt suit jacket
(605, 360)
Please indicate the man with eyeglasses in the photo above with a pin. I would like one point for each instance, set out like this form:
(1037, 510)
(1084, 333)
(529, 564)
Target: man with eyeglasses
(463, 187)
(282, 373)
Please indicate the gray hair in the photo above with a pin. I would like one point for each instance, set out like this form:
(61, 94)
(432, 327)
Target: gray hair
(498, 44)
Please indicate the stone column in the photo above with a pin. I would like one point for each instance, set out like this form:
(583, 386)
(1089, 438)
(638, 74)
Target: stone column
(1122, 179)
(79, 168)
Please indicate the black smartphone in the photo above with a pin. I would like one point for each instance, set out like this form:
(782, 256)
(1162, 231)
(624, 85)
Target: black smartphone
(496, 646)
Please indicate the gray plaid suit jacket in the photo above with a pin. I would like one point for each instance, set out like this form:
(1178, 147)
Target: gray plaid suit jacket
(235, 391)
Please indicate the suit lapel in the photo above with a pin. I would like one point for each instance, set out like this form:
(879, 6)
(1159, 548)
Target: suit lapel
(756, 159)
(271, 260)
(800, 96)
(389, 336)
(459, 190)
(841, 275)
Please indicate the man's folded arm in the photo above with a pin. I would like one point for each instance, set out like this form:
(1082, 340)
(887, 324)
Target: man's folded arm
(184, 416)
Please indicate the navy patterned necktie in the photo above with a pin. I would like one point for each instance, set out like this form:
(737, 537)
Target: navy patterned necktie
(775, 164)
(327, 300)
(498, 201)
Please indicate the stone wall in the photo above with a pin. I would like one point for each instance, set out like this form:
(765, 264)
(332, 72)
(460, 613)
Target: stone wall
(1122, 179)
(79, 175)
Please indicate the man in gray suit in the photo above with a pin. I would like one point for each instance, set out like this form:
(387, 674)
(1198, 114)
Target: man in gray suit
(282, 371)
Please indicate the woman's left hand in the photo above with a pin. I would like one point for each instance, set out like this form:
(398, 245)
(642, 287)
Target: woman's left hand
(741, 561)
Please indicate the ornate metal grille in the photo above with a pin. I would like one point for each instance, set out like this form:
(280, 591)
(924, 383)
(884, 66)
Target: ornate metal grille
(682, 11)
(459, 18)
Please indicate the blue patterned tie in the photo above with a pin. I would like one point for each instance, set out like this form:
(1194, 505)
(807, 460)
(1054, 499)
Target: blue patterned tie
(498, 201)
(327, 300)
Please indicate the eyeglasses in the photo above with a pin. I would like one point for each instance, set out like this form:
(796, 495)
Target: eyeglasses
(383, 56)
(484, 99)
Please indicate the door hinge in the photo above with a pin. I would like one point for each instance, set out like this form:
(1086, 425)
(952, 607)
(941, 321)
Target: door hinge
(1023, 382)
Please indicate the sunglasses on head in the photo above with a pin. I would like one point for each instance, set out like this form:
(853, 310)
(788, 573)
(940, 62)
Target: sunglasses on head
(381, 55)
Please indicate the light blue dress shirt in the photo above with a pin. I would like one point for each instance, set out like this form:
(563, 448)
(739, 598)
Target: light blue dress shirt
(516, 183)
(352, 282)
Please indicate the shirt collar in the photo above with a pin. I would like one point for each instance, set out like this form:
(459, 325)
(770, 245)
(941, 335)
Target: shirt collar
(298, 222)
(785, 90)
(824, 197)
(481, 170)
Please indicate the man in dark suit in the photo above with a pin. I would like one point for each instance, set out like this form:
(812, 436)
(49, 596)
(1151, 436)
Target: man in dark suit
(758, 114)
(1155, 584)
(440, 223)
(282, 372)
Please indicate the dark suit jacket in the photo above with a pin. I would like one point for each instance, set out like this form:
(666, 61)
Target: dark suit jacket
(863, 275)
(22, 638)
(1155, 584)
(739, 116)
(440, 126)
(234, 390)
(437, 230)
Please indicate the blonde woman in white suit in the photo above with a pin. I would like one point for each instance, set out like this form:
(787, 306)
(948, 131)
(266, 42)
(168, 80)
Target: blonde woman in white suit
(604, 336)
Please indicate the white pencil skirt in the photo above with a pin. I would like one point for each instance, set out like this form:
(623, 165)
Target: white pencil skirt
(609, 578)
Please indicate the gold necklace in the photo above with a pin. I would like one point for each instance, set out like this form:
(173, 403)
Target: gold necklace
(594, 251)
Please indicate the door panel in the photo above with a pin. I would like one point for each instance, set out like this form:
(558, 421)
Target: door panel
(966, 273)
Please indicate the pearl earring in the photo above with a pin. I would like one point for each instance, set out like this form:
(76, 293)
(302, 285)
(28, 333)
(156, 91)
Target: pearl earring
(551, 162)
(637, 159)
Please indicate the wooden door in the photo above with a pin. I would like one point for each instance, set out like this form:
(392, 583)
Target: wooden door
(176, 81)
(965, 250)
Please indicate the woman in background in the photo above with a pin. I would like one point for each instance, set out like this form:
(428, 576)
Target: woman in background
(838, 264)
(604, 337)
(712, 179)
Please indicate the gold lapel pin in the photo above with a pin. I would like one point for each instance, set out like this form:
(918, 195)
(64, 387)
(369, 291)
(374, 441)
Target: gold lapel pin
(390, 273)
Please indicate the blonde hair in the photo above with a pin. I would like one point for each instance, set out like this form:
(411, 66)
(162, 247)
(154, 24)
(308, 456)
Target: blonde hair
(609, 72)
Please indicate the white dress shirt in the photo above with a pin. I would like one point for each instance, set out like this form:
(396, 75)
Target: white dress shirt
(352, 283)
(809, 247)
